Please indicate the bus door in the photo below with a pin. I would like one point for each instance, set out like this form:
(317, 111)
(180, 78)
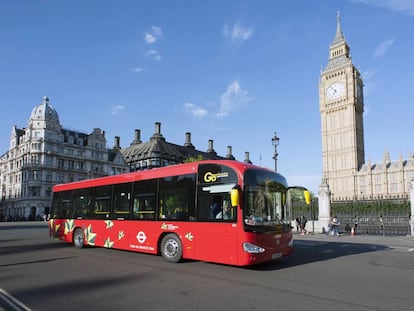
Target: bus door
(216, 231)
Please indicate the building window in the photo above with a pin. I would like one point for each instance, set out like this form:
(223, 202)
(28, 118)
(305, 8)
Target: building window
(34, 191)
(80, 165)
(59, 178)
(37, 175)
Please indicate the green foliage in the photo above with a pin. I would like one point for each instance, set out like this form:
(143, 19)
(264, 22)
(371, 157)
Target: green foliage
(299, 195)
(194, 159)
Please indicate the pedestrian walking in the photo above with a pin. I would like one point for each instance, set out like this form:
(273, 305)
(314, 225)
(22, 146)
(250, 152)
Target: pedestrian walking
(335, 226)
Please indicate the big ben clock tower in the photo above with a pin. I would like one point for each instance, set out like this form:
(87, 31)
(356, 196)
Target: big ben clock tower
(341, 106)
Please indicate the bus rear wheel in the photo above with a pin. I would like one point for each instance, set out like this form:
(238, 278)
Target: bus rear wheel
(78, 238)
(171, 248)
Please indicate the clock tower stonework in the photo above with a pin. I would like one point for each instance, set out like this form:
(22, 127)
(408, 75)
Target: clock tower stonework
(341, 106)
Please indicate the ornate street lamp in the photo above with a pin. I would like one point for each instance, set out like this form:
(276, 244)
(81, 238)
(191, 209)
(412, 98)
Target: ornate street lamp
(275, 143)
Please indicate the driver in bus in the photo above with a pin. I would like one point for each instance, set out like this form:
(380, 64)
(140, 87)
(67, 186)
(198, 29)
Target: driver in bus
(215, 208)
(225, 212)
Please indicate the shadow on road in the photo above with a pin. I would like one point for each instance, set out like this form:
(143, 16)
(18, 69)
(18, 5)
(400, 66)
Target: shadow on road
(37, 247)
(310, 251)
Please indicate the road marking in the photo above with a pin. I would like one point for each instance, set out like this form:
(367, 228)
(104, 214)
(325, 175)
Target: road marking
(11, 303)
(408, 249)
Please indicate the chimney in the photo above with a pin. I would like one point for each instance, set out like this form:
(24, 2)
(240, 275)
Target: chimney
(229, 153)
(117, 141)
(210, 149)
(137, 139)
(157, 133)
(247, 158)
(188, 141)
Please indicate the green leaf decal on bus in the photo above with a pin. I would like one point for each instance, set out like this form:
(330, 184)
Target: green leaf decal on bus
(69, 226)
(90, 236)
(121, 234)
(109, 224)
(108, 243)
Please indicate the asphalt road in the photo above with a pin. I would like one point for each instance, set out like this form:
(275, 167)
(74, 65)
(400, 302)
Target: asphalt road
(323, 273)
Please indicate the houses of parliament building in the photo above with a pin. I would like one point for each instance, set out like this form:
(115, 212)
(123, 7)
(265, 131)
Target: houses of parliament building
(341, 104)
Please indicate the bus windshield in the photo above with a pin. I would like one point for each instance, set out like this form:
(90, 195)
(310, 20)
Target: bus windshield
(264, 197)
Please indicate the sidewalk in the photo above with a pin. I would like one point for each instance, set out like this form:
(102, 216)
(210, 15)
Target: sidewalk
(406, 241)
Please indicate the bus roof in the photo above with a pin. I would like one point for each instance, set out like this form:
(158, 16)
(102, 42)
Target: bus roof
(165, 171)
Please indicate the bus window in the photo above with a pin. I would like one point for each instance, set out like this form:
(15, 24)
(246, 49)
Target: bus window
(82, 203)
(144, 199)
(102, 202)
(122, 200)
(63, 206)
(176, 199)
(214, 203)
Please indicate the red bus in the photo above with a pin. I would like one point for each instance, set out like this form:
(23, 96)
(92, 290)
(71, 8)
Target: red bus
(218, 211)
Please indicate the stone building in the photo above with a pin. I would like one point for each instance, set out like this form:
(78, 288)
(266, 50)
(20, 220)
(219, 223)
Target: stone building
(341, 103)
(44, 154)
(158, 152)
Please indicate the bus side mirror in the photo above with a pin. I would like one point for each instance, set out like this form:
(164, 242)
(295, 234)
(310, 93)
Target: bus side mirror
(307, 195)
(235, 196)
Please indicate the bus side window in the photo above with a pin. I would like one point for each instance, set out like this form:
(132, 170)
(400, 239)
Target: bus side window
(102, 202)
(122, 200)
(214, 206)
(63, 208)
(144, 207)
(82, 203)
(177, 197)
(144, 199)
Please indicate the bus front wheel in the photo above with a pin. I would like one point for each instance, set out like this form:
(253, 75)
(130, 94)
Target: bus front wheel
(171, 248)
(78, 238)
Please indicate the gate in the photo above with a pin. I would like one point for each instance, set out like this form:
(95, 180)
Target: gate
(376, 217)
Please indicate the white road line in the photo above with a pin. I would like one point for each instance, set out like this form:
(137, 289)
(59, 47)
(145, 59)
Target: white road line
(10, 303)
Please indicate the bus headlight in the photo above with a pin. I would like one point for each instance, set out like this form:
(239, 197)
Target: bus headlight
(251, 248)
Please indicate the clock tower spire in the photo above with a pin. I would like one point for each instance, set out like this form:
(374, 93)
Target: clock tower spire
(341, 108)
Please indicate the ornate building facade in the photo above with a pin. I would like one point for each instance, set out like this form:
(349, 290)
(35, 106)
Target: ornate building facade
(341, 104)
(44, 154)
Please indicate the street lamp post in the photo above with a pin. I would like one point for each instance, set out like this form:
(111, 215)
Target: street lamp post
(275, 143)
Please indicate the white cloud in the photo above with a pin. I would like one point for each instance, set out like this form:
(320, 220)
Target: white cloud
(156, 31)
(383, 48)
(404, 6)
(149, 38)
(116, 109)
(137, 69)
(232, 98)
(152, 36)
(195, 110)
(154, 54)
(237, 32)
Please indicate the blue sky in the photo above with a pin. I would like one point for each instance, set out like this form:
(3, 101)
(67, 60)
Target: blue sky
(231, 71)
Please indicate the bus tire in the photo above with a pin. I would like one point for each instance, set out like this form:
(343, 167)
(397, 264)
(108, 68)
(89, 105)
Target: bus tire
(171, 248)
(78, 238)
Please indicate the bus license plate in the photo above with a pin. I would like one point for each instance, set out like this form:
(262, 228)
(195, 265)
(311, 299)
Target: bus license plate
(277, 255)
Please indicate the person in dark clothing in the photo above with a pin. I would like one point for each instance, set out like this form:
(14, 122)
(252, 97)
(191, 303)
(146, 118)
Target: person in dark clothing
(303, 222)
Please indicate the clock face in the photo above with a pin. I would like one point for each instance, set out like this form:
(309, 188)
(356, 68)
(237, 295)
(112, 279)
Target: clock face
(335, 90)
